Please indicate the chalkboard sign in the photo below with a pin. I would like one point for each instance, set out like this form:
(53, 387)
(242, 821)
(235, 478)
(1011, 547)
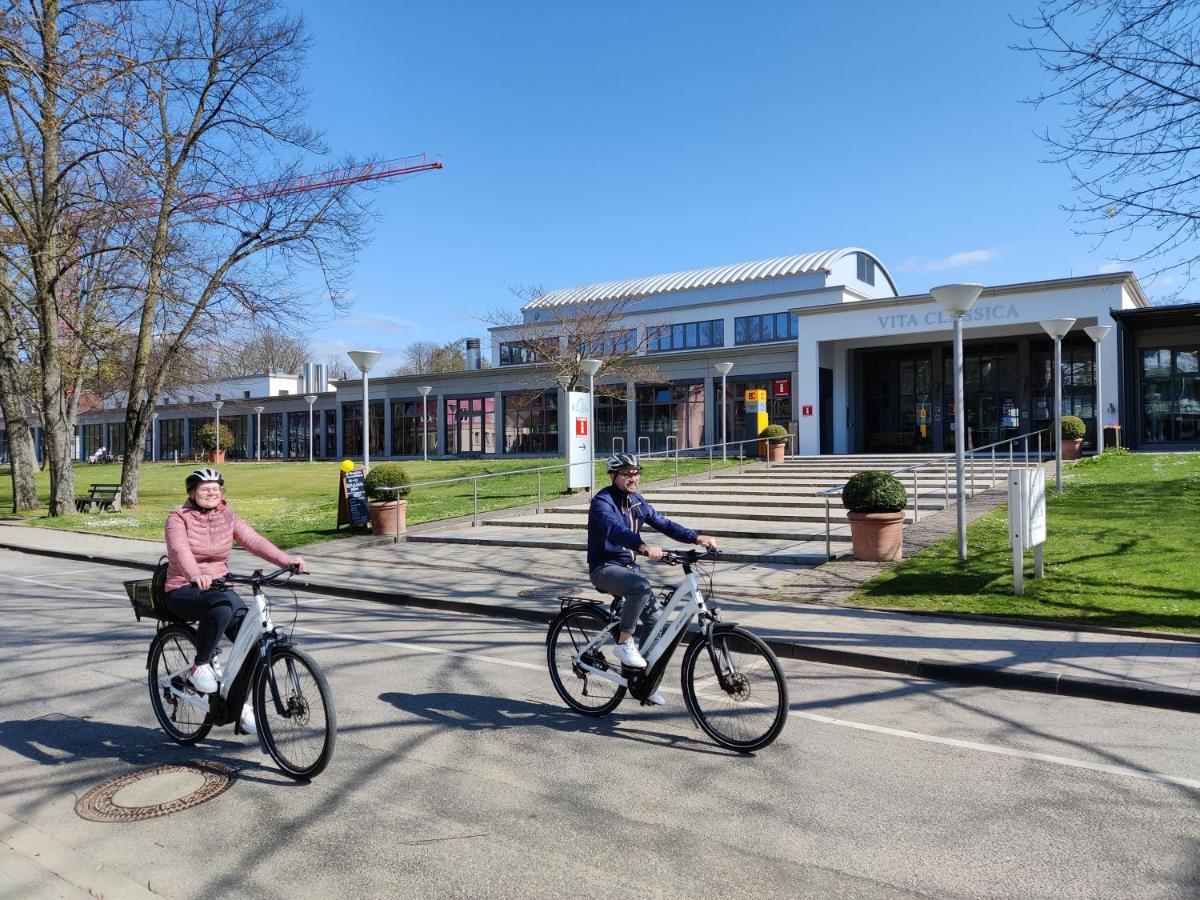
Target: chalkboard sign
(352, 499)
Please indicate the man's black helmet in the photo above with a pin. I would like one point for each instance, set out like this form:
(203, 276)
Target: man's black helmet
(200, 476)
(619, 461)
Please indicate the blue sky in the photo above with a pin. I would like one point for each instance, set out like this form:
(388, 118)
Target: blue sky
(590, 142)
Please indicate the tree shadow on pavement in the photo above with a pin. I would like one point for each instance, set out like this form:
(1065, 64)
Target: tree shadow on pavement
(486, 713)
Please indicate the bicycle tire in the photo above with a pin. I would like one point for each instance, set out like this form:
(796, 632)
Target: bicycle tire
(735, 719)
(302, 687)
(570, 631)
(173, 648)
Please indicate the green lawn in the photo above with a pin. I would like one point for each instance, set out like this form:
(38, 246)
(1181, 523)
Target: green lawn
(1121, 551)
(296, 503)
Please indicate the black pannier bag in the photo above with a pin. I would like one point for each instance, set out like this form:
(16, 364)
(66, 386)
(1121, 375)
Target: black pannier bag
(148, 596)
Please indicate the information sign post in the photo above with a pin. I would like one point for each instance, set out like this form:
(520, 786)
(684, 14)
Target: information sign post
(579, 439)
(1026, 521)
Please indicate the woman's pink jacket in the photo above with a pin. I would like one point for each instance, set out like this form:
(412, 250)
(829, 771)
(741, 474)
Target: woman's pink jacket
(199, 541)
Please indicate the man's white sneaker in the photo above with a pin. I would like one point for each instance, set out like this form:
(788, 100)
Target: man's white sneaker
(657, 699)
(203, 678)
(247, 720)
(627, 652)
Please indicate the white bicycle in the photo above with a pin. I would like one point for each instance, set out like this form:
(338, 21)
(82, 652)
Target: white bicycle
(732, 682)
(293, 706)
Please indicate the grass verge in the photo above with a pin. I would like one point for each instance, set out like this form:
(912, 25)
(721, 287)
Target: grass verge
(1121, 551)
(295, 503)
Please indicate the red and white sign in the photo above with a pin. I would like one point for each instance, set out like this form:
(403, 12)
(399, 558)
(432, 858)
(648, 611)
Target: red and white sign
(806, 410)
(781, 387)
(581, 427)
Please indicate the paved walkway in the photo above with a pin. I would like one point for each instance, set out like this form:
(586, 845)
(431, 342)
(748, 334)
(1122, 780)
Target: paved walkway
(525, 584)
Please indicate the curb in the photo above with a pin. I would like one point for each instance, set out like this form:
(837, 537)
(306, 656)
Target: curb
(932, 670)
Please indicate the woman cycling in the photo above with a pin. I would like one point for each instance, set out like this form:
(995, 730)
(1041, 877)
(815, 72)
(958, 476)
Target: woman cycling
(200, 534)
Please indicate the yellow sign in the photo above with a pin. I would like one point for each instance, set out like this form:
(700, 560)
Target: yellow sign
(755, 395)
(347, 466)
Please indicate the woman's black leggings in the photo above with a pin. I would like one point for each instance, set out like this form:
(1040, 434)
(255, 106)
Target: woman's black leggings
(217, 611)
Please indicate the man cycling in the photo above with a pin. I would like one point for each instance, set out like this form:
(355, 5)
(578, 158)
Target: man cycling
(615, 519)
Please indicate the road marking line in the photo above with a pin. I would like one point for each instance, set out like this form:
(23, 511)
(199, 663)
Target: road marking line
(60, 587)
(1105, 768)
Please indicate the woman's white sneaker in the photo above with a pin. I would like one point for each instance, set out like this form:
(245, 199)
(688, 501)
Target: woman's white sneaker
(627, 652)
(203, 678)
(249, 725)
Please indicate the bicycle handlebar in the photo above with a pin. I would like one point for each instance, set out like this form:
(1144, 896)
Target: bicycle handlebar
(678, 557)
(272, 578)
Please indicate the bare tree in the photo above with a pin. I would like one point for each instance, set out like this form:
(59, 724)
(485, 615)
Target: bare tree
(561, 337)
(430, 358)
(223, 110)
(1129, 70)
(14, 402)
(262, 350)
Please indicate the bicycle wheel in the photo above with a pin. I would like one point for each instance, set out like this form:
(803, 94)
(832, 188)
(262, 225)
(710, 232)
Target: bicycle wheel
(749, 710)
(173, 649)
(301, 739)
(580, 689)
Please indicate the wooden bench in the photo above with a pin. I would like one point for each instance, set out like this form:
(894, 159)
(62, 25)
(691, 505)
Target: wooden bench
(100, 497)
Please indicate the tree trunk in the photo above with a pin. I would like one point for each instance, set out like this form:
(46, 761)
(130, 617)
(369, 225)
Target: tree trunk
(22, 457)
(137, 420)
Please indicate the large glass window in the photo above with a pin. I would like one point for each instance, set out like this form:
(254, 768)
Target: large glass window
(237, 424)
(297, 429)
(406, 427)
(170, 437)
(1078, 385)
(531, 422)
(779, 405)
(761, 329)
(610, 343)
(352, 428)
(686, 336)
(331, 442)
(1170, 387)
(272, 436)
(470, 425)
(194, 426)
(672, 409)
(517, 353)
(93, 439)
(612, 417)
(992, 391)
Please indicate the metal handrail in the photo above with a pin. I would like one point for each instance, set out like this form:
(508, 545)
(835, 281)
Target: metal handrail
(943, 460)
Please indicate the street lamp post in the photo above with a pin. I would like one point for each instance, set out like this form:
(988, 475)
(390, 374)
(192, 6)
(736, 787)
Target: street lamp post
(365, 359)
(1057, 329)
(217, 404)
(1097, 333)
(258, 432)
(425, 389)
(590, 367)
(311, 399)
(153, 437)
(957, 300)
(723, 368)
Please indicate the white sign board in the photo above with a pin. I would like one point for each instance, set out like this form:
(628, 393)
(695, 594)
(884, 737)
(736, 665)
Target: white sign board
(1027, 507)
(579, 439)
(1026, 521)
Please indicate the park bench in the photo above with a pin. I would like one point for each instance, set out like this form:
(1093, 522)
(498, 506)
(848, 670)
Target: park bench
(100, 497)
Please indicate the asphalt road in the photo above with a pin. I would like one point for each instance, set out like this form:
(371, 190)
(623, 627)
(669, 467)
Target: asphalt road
(458, 772)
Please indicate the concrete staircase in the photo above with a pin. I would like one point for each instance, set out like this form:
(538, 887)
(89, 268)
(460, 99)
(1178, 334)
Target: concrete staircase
(759, 514)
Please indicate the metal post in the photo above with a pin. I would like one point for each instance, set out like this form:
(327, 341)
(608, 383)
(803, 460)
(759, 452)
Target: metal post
(366, 429)
(474, 502)
(960, 437)
(724, 416)
(396, 536)
(946, 484)
(1039, 450)
(591, 424)
(710, 460)
(1027, 451)
(993, 464)
(539, 503)
(1010, 455)
(916, 499)
(1099, 406)
(971, 489)
(1058, 416)
(425, 429)
(828, 555)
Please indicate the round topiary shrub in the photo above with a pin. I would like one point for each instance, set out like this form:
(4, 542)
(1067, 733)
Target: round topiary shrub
(874, 491)
(1073, 428)
(386, 475)
(774, 434)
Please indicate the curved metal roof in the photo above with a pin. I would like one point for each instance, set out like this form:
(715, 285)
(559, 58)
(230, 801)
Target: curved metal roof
(738, 273)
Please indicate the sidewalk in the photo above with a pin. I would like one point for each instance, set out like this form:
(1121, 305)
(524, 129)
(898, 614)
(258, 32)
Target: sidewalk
(518, 583)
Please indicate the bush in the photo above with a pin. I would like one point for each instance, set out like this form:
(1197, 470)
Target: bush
(774, 434)
(1073, 428)
(207, 436)
(383, 475)
(874, 491)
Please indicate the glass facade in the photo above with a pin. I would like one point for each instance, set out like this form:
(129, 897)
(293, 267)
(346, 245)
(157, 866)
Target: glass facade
(352, 428)
(686, 336)
(1078, 385)
(297, 434)
(470, 425)
(331, 438)
(1170, 393)
(93, 439)
(531, 422)
(170, 438)
(272, 436)
(517, 353)
(760, 329)
(671, 409)
(406, 427)
(991, 390)
(612, 417)
(611, 343)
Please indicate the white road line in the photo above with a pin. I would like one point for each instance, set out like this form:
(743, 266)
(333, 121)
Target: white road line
(60, 587)
(1103, 768)
(1006, 751)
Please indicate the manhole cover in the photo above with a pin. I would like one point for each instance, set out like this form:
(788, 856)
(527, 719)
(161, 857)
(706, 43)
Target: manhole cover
(157, 791)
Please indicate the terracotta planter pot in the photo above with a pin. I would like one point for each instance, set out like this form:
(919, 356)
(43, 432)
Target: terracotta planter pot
(776, 452)
(1072, 449)
(877, 537)
(384, 517)
(217, 457)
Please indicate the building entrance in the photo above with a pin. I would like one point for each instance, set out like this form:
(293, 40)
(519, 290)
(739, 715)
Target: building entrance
(898, 401)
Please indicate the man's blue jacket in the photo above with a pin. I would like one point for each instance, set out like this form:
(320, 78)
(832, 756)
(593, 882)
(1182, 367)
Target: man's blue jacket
(614, 520)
